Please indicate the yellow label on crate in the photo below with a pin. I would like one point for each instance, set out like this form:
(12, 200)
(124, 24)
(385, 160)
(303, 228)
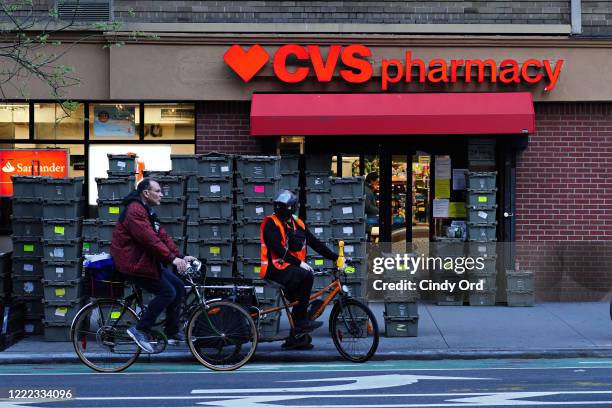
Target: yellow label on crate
(482, 199)
(350, 269)
(59, 230)
(28, 248)
(115, 315)
(60, 292)
(215, 250)
(61, 311)
(256, 269)
(113, 210)
(319, 262)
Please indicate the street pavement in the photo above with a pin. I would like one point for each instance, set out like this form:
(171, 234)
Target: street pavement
(547, 330)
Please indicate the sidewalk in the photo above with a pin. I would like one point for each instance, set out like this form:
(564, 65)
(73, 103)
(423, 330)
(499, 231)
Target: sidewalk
(548, 330)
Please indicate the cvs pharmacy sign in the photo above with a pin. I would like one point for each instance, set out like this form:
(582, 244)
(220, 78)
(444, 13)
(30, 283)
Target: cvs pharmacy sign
(293, 63)
(30, 162)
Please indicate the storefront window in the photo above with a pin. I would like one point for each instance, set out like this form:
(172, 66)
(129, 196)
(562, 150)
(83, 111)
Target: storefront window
(53, 121)
(117, 121)
(76, 155)
(170, 121)
(14, 121)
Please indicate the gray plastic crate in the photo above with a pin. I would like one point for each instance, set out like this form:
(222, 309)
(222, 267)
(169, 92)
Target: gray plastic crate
(184, 163)
(171, 207)
(397, 295)
(33, 327)
(481, 231)
(61, 228)
(290, 181)
(66, 209)
(122, 163)
(450, 298)
(26, 207)
(348, 209)
(62, 250)
(115, 188)
(401, 326)
(482, 197)
(482, 297)
(520, 298)
(192, 230)
(27, 266)
(90, 228)
(34, 307)
(475, 248)
(174, 186)
(192, 247)
(28, 186)
(347, 187)
(489, 265)
(62, 291)
(318, 181)
(481, 180)
(248, 248)
(60, 271)
(481, 214)
(215, 208)
(249, 268)
(489, 282)
(105, 230)
(258, 167)
(216, 249)
(214, 165)
(348, 230)
(56, 332)
(174, 226)
(219, 269)
(268, 327)
(254, 208)
(248, 230)
(27, 246)
(321, 230)
(27, 226)
(69, 188)
(520, 281)
(254, 188)
(27, 286)
(62, 311)
(353, 248)
(401, 309)
(220, 187)
(289, 163)
(215, 229)
(264, 291)
(447, 247)
(318, 162)
(120, 174)
(318, 215)
(318, 199)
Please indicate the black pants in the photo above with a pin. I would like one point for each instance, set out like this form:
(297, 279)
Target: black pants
(168, 291)
(298, 283)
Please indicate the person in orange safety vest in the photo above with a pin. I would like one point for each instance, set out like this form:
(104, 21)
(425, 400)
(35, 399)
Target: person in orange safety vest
(284, 238)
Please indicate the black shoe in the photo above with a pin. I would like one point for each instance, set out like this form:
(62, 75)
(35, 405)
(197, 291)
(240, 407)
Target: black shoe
(306, 326)
(176, 338)
(298, 343)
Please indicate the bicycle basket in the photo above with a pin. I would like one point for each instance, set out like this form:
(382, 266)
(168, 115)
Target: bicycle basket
(104, 280)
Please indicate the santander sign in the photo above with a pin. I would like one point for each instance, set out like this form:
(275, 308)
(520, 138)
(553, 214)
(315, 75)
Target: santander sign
(353, 63)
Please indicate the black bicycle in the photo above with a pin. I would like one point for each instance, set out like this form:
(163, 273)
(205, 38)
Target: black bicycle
(220, 334)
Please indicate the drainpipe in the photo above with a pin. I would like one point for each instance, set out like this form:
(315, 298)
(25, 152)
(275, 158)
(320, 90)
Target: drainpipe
(576, 16)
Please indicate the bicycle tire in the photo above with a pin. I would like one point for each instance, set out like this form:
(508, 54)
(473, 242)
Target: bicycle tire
(219, 333)
(346, 322)
(104, 358)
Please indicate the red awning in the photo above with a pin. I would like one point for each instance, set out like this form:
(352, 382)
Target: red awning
(391, 114)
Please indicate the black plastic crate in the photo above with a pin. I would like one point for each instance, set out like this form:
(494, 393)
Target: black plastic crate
(27, 226)
(215, 208)
(254, 208)
(289, 163)
(33, 327)
(257, 188)
(248, 229)
(317, 181)
(27, 266)
(258, 167)
(347, 187)
(318, 215)
(64, 209)
(184, 163)
(217, 187)
(27, 286)
(214, 229)
(26, 207)
(348, 209)
(219, 269)
(60, 229)
(56, 331)
(109, 210)
(171, 207)
(174, 186)
(63, 291)
(174, 226)
(27, 247)
(321, 230)
(115, 188)
(69, 188)
(60, 271)
(62, 250)
(248, 268)
(27, 186)
(318, 199)
(216, 249)
(348, 229)
(248, 248)
(122, 163)
(62, 311)
(215, 164)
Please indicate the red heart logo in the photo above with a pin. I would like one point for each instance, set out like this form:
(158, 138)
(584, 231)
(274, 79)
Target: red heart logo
(246, 63)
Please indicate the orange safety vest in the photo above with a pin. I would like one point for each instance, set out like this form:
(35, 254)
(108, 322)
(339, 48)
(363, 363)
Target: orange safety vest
(276, 260)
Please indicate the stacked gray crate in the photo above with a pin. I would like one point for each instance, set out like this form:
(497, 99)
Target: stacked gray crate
(520, 288)
(27, 263)
(349, 225)
(443, 248)
(290, 173)
(212, 235)
(401, 307)
(111, 192)
(187, 165)
(62, 251)
(481, 234)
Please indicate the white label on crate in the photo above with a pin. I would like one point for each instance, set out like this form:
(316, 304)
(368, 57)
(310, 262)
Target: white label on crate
(215, 188)
(482, 249)
(28, 328)
(59, 271)
(61, 311)
(347, 230)
(28, 268)
(28, 287)
(483, 214)
(347, 210)
(259, 210)
(215, 268)
(58, 252)
(259, 289)
(121, 164)
(318, 181)
(318, 230)
(224, 169)
(349, 249)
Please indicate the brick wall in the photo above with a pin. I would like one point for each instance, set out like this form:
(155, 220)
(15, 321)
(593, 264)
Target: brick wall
(564, 201)
(224, 127)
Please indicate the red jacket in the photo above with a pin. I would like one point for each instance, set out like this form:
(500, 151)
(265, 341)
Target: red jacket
(136, 249)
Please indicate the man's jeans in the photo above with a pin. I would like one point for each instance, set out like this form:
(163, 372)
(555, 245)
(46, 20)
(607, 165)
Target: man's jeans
(168, 291)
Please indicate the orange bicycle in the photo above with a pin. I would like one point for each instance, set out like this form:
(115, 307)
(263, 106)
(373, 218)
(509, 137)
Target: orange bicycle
(352, 324)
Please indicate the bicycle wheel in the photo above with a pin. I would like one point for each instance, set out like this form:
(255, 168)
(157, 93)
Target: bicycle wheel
(222, 336)
(99, 336)
(354, 330)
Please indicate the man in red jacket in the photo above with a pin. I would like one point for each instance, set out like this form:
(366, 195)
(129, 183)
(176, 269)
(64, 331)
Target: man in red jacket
(141, 249)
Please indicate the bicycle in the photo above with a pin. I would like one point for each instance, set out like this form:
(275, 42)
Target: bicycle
(220, 334)
(350, 321)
